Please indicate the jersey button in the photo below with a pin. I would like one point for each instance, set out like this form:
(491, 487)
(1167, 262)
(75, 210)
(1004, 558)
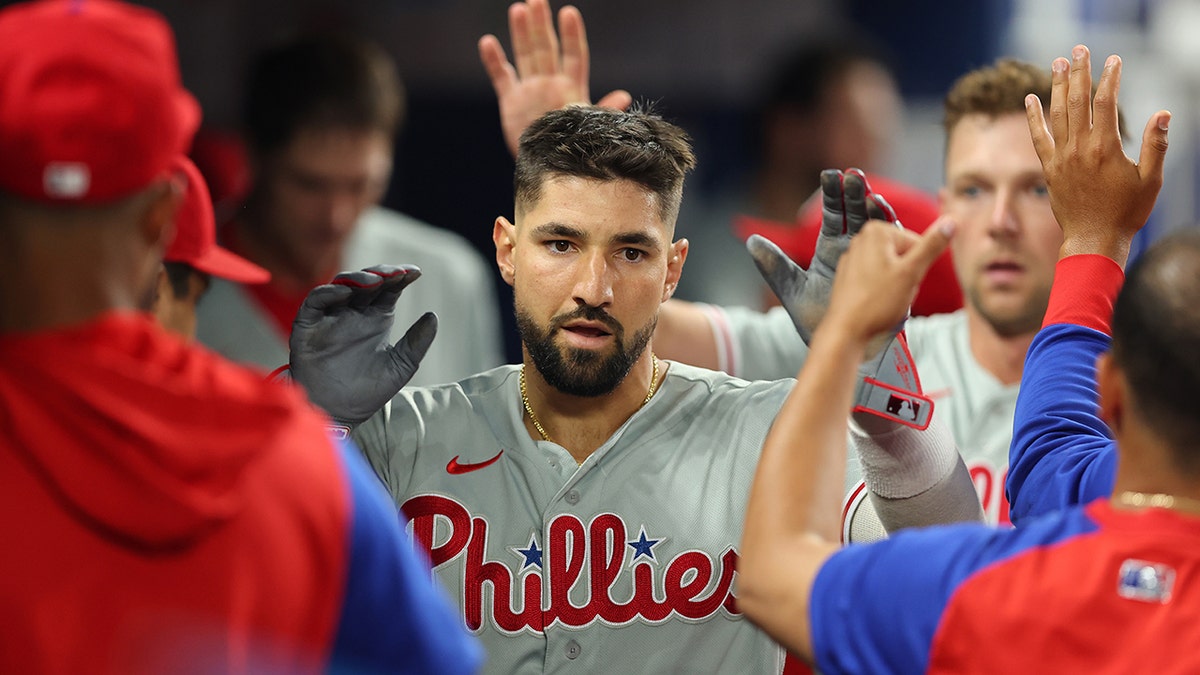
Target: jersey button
(572, 497)
(573, 650)
(554, 464)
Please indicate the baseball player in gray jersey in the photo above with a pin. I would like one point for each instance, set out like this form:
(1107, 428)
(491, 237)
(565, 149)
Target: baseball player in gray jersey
(970, 361)
(585, 507)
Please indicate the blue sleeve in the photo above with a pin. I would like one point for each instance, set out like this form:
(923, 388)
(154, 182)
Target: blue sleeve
(395, 618)
(1062, 453)
(878, 608)
(875, 608)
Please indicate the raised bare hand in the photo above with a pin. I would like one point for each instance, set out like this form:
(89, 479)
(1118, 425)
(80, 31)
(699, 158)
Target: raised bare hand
(1100, 197)
(545, 77)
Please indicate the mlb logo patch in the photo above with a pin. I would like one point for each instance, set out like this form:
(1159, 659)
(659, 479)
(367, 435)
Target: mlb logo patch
(66, 180)
(1145, 581)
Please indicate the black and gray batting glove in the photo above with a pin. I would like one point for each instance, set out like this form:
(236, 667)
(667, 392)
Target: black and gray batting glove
(847, 204)
(340, 351)
(888, 385)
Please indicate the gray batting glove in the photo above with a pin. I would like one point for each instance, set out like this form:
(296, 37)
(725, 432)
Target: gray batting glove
(888, 386)
(340, 352)
(847, 204)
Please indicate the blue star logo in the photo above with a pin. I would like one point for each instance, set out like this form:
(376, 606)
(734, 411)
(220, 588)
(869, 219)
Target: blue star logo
(532, 555)
(643, 546)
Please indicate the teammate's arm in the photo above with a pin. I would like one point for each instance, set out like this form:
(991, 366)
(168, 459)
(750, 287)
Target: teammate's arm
(685, 333)
(793, 520)
(915, 475)
(1062, 453)
(545, 76)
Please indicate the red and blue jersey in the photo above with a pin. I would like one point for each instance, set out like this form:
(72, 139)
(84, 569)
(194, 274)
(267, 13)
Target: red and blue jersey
(1081, 589)
(1086, 590)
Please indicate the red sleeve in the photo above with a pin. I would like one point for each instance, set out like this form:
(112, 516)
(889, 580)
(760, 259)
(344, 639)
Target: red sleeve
(1085, 288)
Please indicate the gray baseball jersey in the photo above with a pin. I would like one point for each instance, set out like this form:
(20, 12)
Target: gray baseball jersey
(977, 407)
(623, 564)
(456, 283)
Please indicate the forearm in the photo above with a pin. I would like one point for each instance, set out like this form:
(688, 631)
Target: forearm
(685, 333)
(1061, 452)
(915, 478)
(803, 461)
(793, 518)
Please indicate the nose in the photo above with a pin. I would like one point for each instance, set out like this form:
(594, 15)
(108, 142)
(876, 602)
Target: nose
(593, 282)
(340, 211)
(1003, 220)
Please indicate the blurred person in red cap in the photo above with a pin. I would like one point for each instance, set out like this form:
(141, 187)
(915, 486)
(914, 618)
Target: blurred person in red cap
(194, 258)
(163, 510)
(321, 113)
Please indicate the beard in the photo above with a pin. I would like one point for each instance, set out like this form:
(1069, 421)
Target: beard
(582, 372)
(1023, 320)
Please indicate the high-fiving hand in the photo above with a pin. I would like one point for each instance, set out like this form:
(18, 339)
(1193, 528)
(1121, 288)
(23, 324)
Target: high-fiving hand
(340, 351)
(1100, 197)
(847, 204)
(545, 77)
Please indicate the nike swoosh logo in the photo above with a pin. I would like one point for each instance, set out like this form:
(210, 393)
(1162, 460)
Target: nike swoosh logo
(940, 393)
(455, 467)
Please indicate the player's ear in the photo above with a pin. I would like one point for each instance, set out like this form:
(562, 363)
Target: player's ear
(1111, 390)
(157, 218)
(676, 256)
(504, 235)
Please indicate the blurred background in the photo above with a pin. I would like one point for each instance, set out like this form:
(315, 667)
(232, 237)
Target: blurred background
(705, 64)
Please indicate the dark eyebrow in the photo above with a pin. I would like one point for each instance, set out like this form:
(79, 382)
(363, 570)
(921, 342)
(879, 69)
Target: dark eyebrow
(553, 229)
(636, 239)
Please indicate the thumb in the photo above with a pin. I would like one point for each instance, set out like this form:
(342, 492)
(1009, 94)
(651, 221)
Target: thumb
(933, 241)
(618, 99)
(784, 276)
(1154, 147)
(417, 340)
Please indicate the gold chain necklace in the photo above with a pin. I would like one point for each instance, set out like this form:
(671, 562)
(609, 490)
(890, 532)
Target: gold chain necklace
(1158, 500)
(538, 425)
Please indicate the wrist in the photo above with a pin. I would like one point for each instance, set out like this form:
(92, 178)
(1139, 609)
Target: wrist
(1114, 246)
(836, 335)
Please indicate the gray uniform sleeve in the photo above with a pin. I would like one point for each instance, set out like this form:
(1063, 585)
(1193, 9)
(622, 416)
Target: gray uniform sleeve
(757, 345)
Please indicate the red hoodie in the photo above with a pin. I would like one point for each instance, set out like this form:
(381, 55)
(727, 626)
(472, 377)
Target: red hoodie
(162, 511)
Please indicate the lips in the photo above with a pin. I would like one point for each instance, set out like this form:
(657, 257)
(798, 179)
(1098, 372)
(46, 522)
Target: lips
(587, 330)
(1003, 272)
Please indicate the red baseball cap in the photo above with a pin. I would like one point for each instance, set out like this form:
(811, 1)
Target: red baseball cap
(938, 293)
(195, 240)
(93, 106)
